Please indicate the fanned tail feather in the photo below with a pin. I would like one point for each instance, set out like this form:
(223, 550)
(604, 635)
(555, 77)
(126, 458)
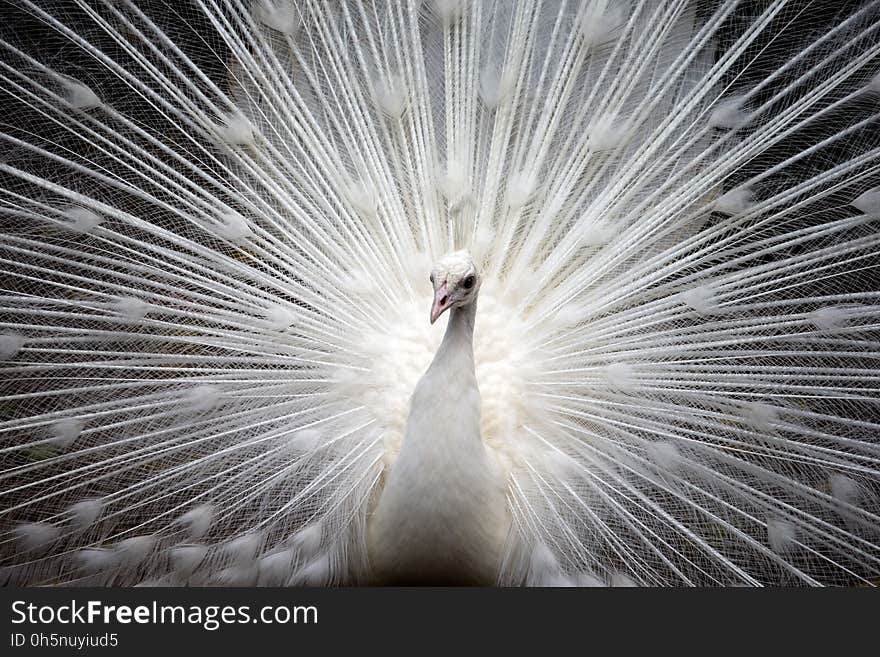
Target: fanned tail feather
(218, 223)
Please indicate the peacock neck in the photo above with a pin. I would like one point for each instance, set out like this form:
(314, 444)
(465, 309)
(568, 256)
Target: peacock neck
(458, 342)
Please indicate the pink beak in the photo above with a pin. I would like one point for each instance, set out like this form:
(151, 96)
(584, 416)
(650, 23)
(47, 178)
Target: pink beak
(441, 302)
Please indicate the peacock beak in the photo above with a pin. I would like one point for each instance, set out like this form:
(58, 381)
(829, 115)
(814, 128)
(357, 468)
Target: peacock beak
(441, 302)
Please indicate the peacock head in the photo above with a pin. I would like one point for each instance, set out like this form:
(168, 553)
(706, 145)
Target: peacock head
(456, 282)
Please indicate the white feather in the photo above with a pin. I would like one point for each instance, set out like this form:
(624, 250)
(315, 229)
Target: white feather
(85, 512)
(307, 541)
(202, 398)
(197, 521)
(275, 568)
(279, 317)
(622, 580)
(215, 259)
(236, 130)
(317, 573)
(736, 201)
(130, 308)
(781, 535)
(235, 576)
(233, 226)
(729, 114)
(391, 96)
(82, 220)
(243, 549)
(520, 189)
(185, 559)
(66, 431)
(831, 318)
(10, 345)
(280, 15)
(36, 536)
(869, 202)
(96, 560)
(602, 20)
(589, 580)
(135, 550)
(79, 95)
(701, 299)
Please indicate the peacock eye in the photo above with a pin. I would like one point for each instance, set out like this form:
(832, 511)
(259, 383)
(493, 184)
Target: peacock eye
(468, 282)
(431, 278)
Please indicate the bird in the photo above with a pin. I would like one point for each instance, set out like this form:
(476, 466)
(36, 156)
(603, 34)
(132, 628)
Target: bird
(442, 517)
(242, 244)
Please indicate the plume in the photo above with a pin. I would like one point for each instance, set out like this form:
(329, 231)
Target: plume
(218, 221)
